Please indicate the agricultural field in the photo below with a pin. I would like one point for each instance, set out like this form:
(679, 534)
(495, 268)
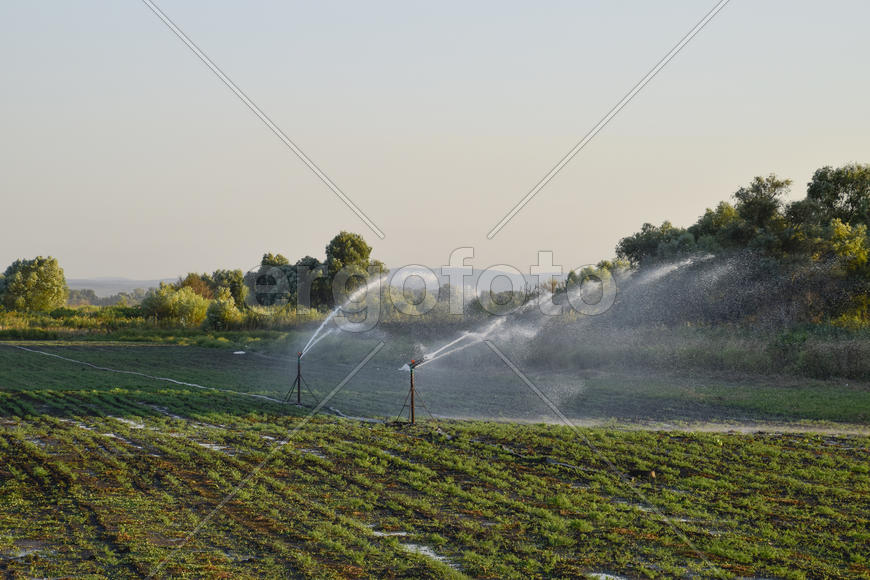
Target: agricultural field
(475, 386)
(115, 475)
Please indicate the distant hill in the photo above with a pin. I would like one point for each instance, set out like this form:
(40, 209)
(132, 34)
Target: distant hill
(108, 286)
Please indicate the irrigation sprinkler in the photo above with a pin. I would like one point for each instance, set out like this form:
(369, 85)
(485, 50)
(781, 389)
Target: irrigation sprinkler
(411, 366)
(297, 382)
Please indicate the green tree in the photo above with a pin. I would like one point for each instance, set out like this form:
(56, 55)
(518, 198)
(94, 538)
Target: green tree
(316, 289)
(202, 284)
(276, 281)
(188, 307)
(347, 250)
(378, 266)
(270, 259)
(646, 244)
(308, 262)
(721, 228)
(807, 213)
(157, 303)
(850, 245)
(34, 285)
(842, 193)
(83, 297)
(273, 283)
(232, 280)
(760, 203)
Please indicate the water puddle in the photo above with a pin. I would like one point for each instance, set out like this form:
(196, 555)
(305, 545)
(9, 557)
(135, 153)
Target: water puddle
(354, 418)
(232, 557)
(637, 506)
(24, 548)
(314, 452)
(121, 439)
(77, 424)
(429, 553)
(214, 447)
(129, 422)
(163, 411)
(388, 534)
(552, 461)
(276, 440)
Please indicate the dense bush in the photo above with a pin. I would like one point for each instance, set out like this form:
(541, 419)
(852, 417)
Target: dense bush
(222, 312)
(182, 306)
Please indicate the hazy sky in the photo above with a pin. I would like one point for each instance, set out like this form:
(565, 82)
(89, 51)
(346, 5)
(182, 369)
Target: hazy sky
(122, 154)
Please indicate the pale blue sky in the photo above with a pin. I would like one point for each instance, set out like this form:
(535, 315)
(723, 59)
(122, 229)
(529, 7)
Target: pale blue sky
(122, 154)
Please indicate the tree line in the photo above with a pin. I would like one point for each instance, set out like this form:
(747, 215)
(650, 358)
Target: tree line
(218, 300)
(830, 223)
(822, 238)
(818, 246)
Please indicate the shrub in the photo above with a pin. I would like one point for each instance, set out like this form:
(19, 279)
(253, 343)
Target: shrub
(183, 306)
(222, 312)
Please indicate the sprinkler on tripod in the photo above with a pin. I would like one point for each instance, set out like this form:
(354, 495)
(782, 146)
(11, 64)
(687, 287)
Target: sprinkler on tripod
(412, 365)
(297, 382)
